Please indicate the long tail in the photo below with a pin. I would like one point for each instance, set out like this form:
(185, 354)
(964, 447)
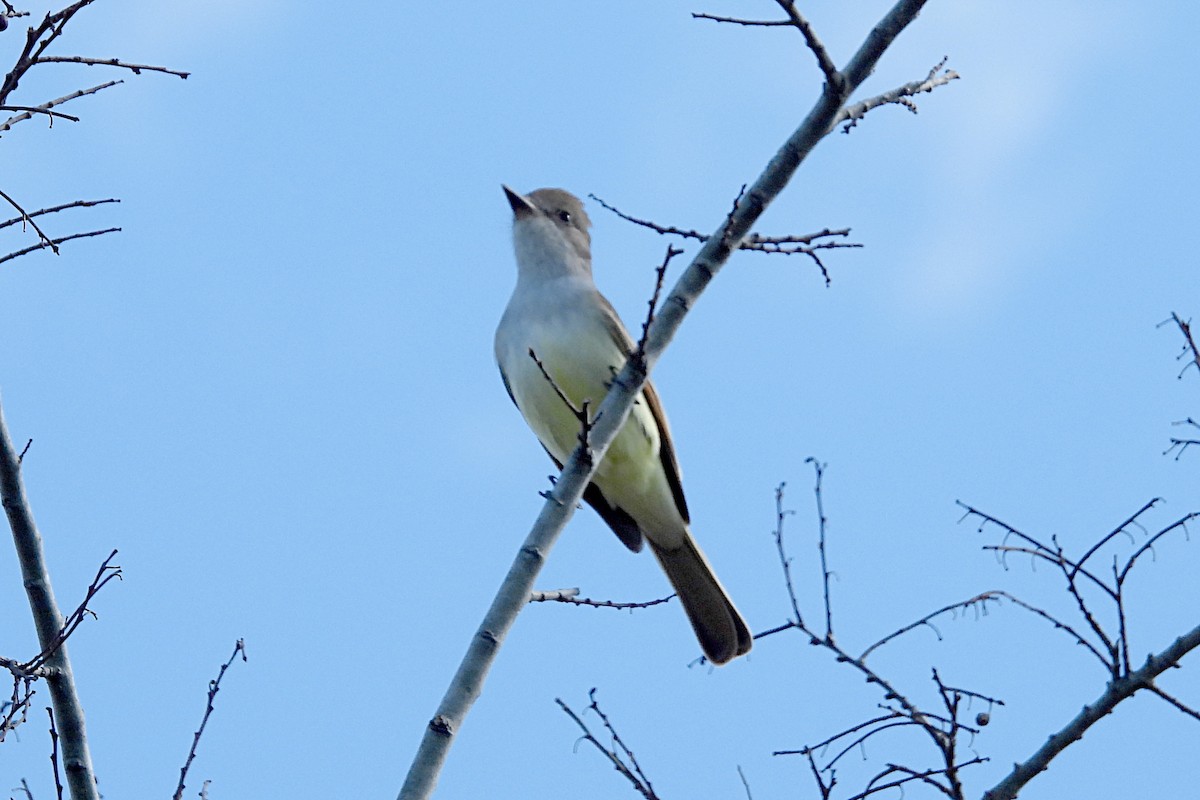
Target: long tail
(719, 627)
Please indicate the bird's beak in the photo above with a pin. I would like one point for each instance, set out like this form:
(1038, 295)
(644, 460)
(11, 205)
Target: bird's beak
(520, 204)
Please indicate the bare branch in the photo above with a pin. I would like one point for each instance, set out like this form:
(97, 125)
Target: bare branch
(570, 597)
(784, 561)
(925, 621)
(1114, 533)
(912, 775)
(617, 755)
(38, 110)
(790, 244)
(1058, 624)
(54, 754)
(851, 115)
(106, 573)
(745, 783)
(1117, 690)
(778, 23)
(821, 522)
(1189, 344)
(1179, 524)
(25, 217)
(16, 708)
(214, 686)
(48, 620)
(833, 77)
(55, 242)
(45, 107)
(660, 274)
(136, 69)
(56, 209)
(1186, 709)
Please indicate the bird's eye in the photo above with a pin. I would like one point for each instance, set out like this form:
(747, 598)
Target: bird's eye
(565, 216)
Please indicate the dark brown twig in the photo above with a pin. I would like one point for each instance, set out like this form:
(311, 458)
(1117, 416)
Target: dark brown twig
(55, 209)
(785, 562)
(53, 243)
(586, 421)
(618, 754)
(819, 468)
(1179, 704)
(58, 787)
(833, 77)
(1190, 352)
(660, 274)
(26, 218)
(773, 23)
(106, 573)
(214, 686)
(16, 707)
(571, 597)
(1183, 444)
(978, 601)
(790, 244)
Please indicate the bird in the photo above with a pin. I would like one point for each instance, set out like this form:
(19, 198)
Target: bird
(559, 334)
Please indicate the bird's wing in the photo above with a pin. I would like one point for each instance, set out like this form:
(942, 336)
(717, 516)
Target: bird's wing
(666, 450)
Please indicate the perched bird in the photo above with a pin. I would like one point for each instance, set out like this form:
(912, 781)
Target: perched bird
(557, 312)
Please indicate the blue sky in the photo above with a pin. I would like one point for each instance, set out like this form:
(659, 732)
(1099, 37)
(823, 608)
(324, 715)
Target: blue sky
(274, 391)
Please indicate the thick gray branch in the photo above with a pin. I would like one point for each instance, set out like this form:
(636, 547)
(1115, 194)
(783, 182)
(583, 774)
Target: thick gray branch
(68, 712)
(1118, 690)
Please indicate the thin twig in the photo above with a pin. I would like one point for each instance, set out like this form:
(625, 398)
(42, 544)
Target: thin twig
(617, 755)
(136, 69)
(833, 77)
(977, 600)
(58, 787)
(1103, 540)
(214, 686)
(44, 107)
(25, 217)
(586, 601)
(55, 242)
(106, 573)
(745, 783)
(852, 115)
(1179, 704)
(774, 23)
(821, 521)
(784, 561)
(55, 209)
(660, 274)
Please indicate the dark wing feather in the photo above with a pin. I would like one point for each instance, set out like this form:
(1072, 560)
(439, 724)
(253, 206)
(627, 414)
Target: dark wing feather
(666, 450)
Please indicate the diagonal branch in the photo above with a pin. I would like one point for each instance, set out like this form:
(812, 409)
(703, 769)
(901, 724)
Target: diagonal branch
(828, 68)
(55, 209)
(1117, 691)
(48, 620)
